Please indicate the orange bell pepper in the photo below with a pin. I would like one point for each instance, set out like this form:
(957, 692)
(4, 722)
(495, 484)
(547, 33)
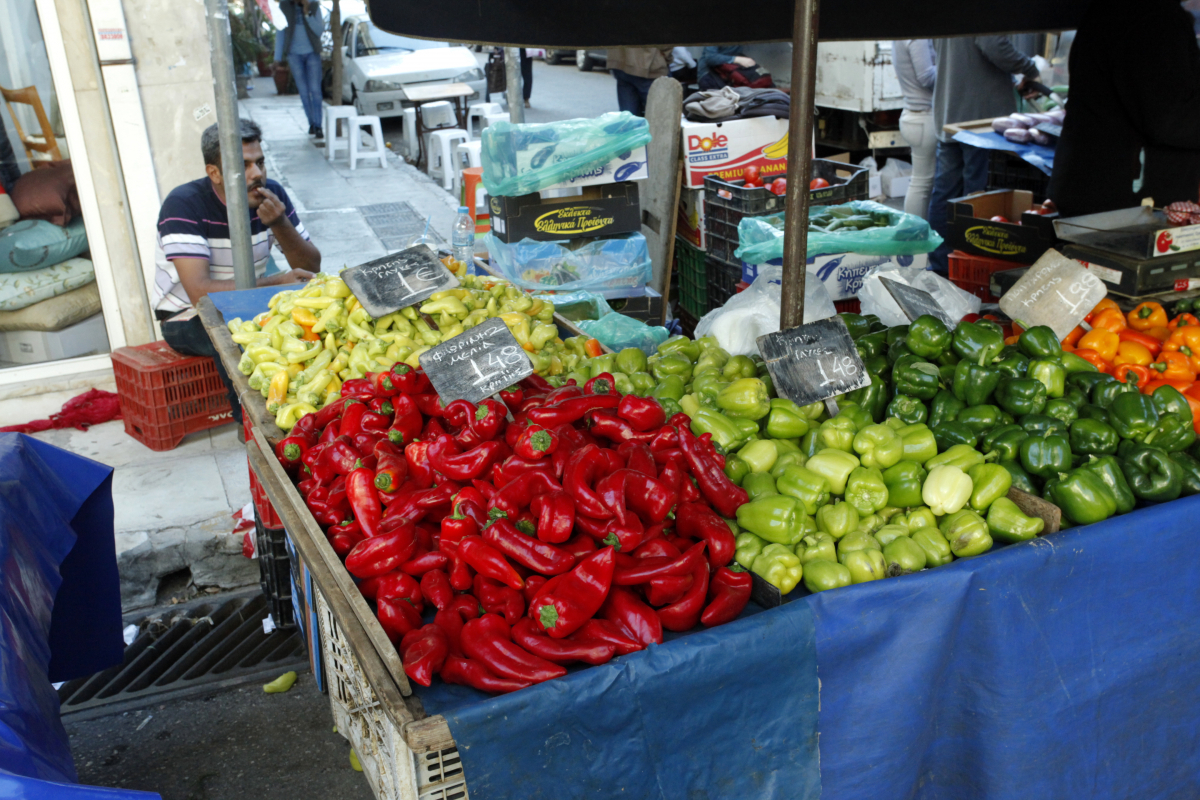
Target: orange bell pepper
(1144, 339)
(1184, 321)
(1181, 386)
(1101, 306)
(1093, 358)
(1147, 315)
(1074, 336)
(1110, 319)
(1140, 376)
(1185, 340)
(1132, 353)
(593, 348)
(1012, 340)
(1103, 342)
(1162, 334)
(1173, 366)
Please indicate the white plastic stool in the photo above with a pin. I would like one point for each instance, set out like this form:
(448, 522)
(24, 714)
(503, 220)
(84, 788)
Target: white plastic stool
(437, 114)
(380, 149)
(410, 131)
(467, 154)
(492, 119)
(441, 160)
(480, 111)
(334, 142)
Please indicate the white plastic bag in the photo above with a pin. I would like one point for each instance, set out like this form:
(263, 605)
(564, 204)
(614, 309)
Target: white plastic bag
(876, 299)
(754, 312)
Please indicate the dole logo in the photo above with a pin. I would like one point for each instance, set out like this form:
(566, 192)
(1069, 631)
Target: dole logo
(707, 143)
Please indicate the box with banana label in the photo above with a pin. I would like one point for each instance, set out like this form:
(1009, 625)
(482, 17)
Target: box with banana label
(727, 148)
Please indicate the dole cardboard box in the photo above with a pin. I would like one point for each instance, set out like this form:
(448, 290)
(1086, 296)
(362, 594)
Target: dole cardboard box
(689, 222)
(843, 273)
(1022, 239)
(727, 148)
(605, 210)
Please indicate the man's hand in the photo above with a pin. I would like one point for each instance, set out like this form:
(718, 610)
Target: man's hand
(291, 276)
(272, 209)
(1027, 91)
(743, 61)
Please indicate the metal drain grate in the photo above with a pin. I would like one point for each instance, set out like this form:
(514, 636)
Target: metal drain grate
(396, 223)
(188, 649)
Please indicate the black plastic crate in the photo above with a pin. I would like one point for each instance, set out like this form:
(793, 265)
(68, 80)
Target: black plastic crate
(275, 573)
(1008, 171)
(687, 322)
(722, 281)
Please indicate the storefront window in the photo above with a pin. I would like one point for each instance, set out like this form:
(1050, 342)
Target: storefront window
(49, 302)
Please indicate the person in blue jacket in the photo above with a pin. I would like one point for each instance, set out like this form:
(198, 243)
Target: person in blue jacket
(303, 53)
(713, 57)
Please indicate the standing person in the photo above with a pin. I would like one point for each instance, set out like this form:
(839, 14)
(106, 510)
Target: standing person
(915, 63)
(1130, 134)
(194, 256)
(303, 52)
(635, 68)
(683, 65)
(526, 75)
(713, 57)
(974, 81)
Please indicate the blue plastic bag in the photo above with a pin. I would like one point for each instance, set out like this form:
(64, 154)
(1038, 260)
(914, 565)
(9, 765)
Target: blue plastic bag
(619, 262)
(617, 331)
(907, 235)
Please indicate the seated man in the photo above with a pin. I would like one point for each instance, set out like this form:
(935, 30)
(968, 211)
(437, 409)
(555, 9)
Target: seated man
(194, 256)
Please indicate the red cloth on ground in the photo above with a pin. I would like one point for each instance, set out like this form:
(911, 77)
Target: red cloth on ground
(90, 408)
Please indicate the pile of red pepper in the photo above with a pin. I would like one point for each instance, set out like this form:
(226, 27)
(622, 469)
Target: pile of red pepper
(576, 531)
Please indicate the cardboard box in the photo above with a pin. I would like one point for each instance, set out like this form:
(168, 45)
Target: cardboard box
(33, 347)
(690, 224)
(646, 307)
(629, 166)
(897, 187)
(727, 148)
(970, 229)
(605, 210)
(843, 273)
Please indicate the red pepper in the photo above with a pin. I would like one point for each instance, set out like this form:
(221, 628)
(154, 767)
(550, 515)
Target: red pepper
(647, 569)
(608, 425)
(515, 428)
(430, 404)
(728, 594)
(604, 383)
(446, 459)
(643, 413)
(461, 575)
(435, 585)
(621, 536)
(391, 469)
(342, 538)
(373, 422)
(638, 458)
(674, 475)
(571, 409)
(410, 381)
(648, 497)
(451, 624)
(397, 585)
(508, 470)
(426, 562)
(397, 617)
(716, 487)
(496, 598)
(406, 421)
(291, 450)
(420, 471)
(472, 672)
(487, 639)
(700, 522)
(535, 443)
(357, 386)
(459, 412)
(488, 561)
(666, 438)
(517, 494)
(352, 414)
(632, 617)
(536, 384)
(526, 523)
(564, 605)
(665, 591)
(706, 447)
(323, 511)
(455, 527)
(432, 430)
(512, 397)
(488, 421)
(381, 405)
(341, 456)
(580, 546)
(684, 614)
(533, 585)
(381, 384)
(365, 443)
(583, 468)
(556, 516)
(418, 504)
(364, 501)
(330, 432)
(532, 639)
(602, 631)
(526, 550)
(423, 653)
(382, 554)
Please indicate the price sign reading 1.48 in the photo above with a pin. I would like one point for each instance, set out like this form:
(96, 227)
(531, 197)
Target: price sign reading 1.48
(1056, 292)
(813, 362)
(476, 363)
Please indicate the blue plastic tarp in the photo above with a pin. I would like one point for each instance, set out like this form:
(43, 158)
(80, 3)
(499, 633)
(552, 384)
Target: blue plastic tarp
(15, 787)
(245, 303)
(1041, 156)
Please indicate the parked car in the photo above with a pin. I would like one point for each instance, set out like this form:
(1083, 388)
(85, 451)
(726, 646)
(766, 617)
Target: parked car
(377, 66)
(585, 60)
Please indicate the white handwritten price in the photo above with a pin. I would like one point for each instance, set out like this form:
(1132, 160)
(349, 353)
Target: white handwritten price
(842, 366)
(496, 362)
(1078, 290)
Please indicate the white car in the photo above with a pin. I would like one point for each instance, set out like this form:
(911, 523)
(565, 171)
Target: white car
(378, 65)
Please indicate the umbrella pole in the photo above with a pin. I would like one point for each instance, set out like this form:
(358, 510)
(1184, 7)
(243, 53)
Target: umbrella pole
(512, 75)
(233, 168)
(799, 171)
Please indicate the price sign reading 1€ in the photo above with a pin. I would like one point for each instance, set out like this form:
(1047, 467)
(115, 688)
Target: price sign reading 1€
(814, 362)
(476, 363)
(1057, 292)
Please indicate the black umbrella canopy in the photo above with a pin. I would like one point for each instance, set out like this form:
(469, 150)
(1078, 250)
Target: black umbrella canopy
(614, 23)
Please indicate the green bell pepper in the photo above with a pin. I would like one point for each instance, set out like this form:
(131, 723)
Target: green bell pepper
(1152, 475)
(1087, 381)
(872, 398)
(817, 547)
(920, 444)
(919, 517)
(746, 397)
(1062, 410)
(724, 432)
(835, 465)
(1073, 364)
(878, 365)
(963, 456)
(810, 488)
(917, 379)
(681, 345)
(928, 336)
(937, 549)
(974, 384)
(967, 533)
(739, 367)
(866, 491)
(1021, 396)
(708, 387)
(856, 324)
(1093, 437)
(864, 565)
(775, 518)
(1075, 397)
(670, 407)
(946, 490)
(779, 566)
(948, 434)
(1012, 363)
(1046, 455)
(759, 484)
(607, 362)
(837, 519)
(907, 409)
(786, 420)
(904, 481)
(980, 419)
(1040, 342)
(760, 455)
(1020, 478)
(1172, 433)
(838, 433)
(989, 482)
(1041, 423)
(810, 443)
(1004, 441)
(1092, 411)
(878, 446)
(1051, 374)
(876, 324)
(890, 533)
(897, 351)
(1108, 468)
(1008, 523)
(904, 556)
(1168, 400)
(858, 540)
(977, 343)
(852, 411)
(871, 345)
(786, 460)
(736, 470)
(643, 383)
(631, 360)
(1084, 497)
(1189, 469)
(669, 387)
(747, 546)
(1133, 415)
(944, 408)
(670, 364)
(821, 576)
(1105, 392)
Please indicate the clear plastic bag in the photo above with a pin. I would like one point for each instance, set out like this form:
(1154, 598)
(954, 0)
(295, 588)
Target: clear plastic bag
(595, 265)
(520, 159)
(905, 235)
(754, 312)
(876, 299)
(617, 331)
(577, 305)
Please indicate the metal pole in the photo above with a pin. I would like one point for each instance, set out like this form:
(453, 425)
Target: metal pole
(512, 74)
(799, 172)
(233, 171)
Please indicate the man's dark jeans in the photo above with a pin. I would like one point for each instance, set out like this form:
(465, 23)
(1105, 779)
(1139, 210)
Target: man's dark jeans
(961, 170)
(190, 339)
(632, 92)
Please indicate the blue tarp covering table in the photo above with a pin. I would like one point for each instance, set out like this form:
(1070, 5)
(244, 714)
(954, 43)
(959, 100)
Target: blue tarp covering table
(1040, 156)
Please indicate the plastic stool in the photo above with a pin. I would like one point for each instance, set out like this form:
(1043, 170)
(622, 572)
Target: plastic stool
(410, 131)
(474, 197)
(437, 114)
(441, 160)
(333, 142)
(380, 150)
(468, 154)
(480, 111)
(492, 119)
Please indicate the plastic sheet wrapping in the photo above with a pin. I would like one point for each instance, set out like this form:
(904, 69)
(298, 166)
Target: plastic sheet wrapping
(618, 262)
(57, 532)
(617, 331)
(905, 235)
(755, 312)
(521, 159)
(877, 300)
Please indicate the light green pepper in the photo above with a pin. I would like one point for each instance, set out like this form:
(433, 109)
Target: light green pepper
(990, 482)
(937, 549)
(817, 547)
(946, 490)
(759, 484)
(811, 489)
(775, 518)
(865, 565)
(962, 456)
(820, 576)
(786, 420)
(779, 566)
(889, 533)
(920, 444)
(967, 533)
(903, 556)
(878, 446)
(1008, 523)
(835, 466)
(747, 546)
(865, 490)
(837, 519)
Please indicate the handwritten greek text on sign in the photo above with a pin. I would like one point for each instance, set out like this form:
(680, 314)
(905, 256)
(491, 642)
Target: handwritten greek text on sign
(1057, 292)
(476, 363)
(813, 362)
(916, 302)
(399, 280)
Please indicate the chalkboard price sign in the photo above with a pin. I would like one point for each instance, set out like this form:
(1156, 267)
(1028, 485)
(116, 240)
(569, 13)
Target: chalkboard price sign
(476, 363)
(1056, 291)
(916, 302)
(399, 280)
(813, 362)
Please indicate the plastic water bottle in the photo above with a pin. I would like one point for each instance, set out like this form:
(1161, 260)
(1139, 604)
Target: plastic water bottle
(462, 241)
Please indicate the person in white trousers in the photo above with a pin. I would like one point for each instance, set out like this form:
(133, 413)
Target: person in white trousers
(916, 66)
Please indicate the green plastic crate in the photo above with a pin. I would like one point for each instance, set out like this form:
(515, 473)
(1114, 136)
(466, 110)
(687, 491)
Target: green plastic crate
(693, 280)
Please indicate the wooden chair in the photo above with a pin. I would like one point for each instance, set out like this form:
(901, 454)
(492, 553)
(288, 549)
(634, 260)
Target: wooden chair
(40, 150)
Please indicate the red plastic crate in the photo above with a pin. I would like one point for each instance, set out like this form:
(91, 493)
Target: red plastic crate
(165, 395)
(262, 504)
(851, 306)
(974, 273)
